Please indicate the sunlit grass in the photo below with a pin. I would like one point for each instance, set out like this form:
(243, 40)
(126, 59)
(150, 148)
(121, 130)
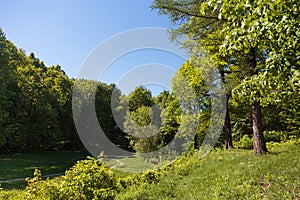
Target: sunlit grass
(235, 174)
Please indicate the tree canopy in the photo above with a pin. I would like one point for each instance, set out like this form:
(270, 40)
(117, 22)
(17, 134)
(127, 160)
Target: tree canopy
(251, 42)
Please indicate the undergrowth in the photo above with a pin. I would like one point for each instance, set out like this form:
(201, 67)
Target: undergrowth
(233, 174)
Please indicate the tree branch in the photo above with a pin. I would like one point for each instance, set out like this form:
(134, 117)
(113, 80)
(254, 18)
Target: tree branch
(191, 14)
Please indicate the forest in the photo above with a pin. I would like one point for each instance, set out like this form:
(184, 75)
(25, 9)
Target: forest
(255, 48)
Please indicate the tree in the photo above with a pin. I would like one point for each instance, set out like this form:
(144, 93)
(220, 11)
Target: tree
(35, 103)
(201, 30)
(142, 121)
(104, 104)
(44, 93)
(6, 76)
(267, 34)
(192, 75)
(60, 93)
(170, 118)
(238, 32)
(145, 135)
(139, 97)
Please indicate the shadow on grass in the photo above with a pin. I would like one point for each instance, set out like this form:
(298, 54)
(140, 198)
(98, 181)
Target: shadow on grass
(21, 166)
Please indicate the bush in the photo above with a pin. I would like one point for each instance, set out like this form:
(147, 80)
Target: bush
(245, 142)
(275, 136)
(280, 136)
(88, 179)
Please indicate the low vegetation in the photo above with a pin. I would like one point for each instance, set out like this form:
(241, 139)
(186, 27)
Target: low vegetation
(234, 174)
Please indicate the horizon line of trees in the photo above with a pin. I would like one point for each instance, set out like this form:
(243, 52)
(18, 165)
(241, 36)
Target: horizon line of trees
(258, 64)
(36, 105)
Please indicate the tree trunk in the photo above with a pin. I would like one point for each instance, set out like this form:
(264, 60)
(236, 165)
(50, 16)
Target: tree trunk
(259, 145)
(227, 126)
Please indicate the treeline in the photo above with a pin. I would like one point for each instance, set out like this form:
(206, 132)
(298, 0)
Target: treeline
(36, 105)
(166, 119)
(257, 59)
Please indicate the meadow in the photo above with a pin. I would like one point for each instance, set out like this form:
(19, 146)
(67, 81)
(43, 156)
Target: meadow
(232, 174)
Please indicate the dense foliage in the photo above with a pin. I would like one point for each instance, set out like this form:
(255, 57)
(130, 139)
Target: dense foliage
(36, 108)
(36, 105)
(254, 44)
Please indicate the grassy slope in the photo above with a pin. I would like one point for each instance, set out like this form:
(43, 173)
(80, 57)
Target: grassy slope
(236, 174)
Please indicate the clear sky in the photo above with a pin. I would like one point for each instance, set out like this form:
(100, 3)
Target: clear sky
(64, 32)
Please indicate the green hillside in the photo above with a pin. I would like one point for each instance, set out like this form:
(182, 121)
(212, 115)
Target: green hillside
(234, 174)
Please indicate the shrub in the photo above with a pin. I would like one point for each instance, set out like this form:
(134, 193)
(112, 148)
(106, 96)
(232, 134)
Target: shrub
(245, 142)
(275, 136)
(88, 179)
(280, 136)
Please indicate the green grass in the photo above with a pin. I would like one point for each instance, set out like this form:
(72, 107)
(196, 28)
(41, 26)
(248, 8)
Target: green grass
(15, 166)
(235, 174)
(129, 164)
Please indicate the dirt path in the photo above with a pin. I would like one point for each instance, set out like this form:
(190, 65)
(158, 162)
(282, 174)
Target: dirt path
(119, 163)
(23, 179)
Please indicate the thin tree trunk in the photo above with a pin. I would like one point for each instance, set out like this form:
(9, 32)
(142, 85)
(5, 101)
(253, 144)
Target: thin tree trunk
(227, 126)
(259, 145)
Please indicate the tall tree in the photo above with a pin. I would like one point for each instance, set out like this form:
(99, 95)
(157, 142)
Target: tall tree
(201, 30)
(5, 79)
(240, 32)
(193, 77)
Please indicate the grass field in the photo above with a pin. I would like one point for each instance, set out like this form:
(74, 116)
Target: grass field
(235, 174)
(20, 166)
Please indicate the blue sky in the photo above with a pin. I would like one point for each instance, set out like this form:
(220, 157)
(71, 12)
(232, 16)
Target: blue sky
(64, 32)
